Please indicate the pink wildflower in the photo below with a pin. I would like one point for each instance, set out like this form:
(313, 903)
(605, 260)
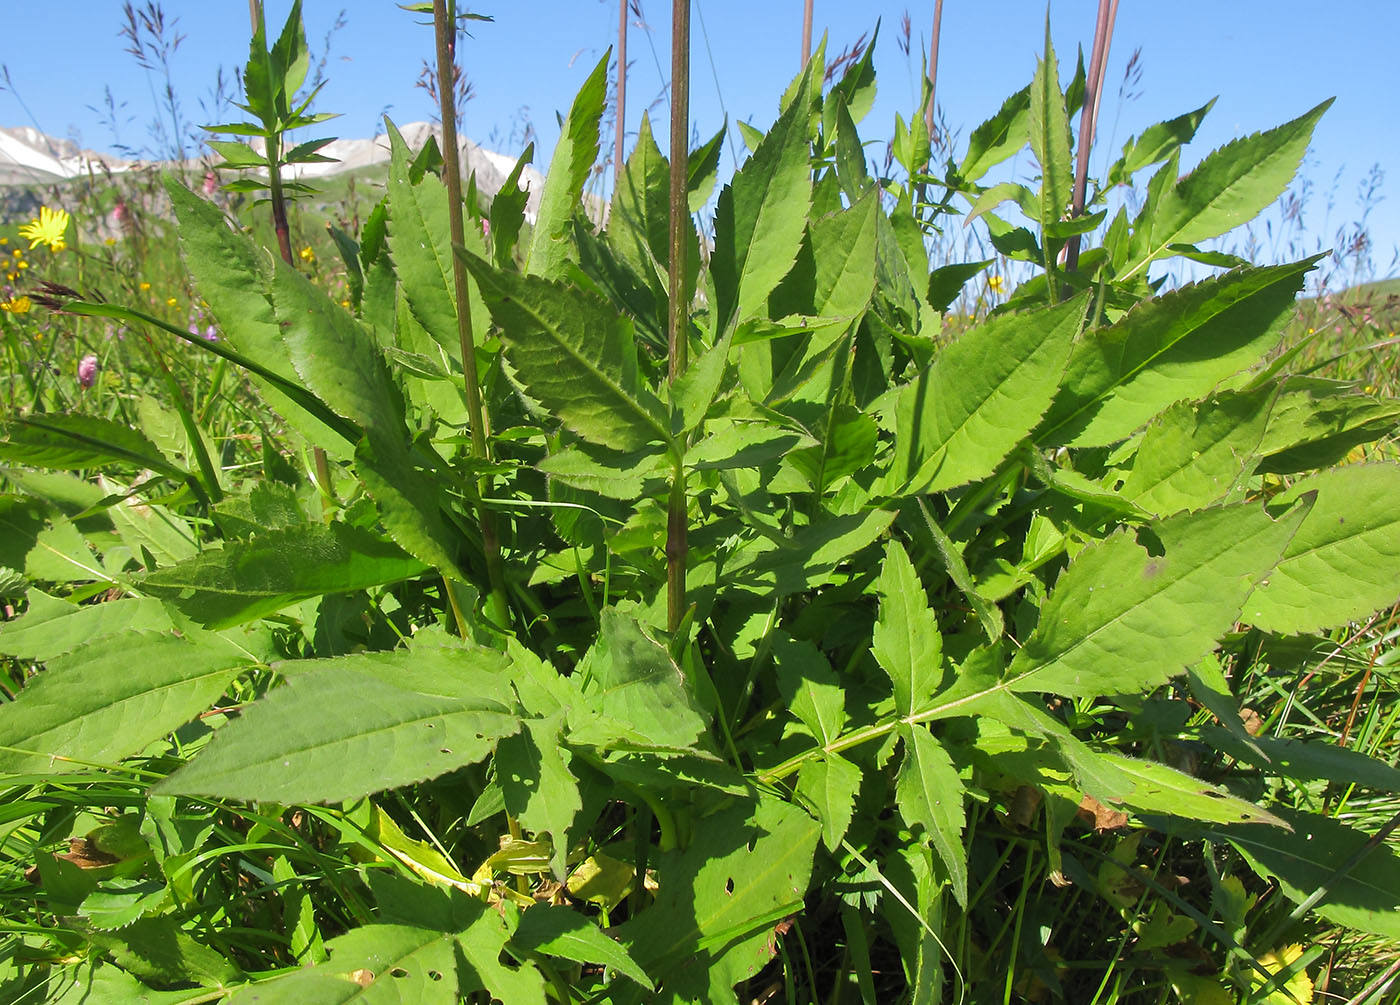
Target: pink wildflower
(486, 228)
(211, 184)
(87, 370)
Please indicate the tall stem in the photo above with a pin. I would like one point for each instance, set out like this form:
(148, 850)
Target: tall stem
(621, 91)
(933, 65)
(806, 31)
(1089, 116)
(278, 200)
(678, 315)
(445, 29)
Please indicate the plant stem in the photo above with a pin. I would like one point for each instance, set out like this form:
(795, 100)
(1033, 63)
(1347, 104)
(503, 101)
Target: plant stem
(806, 32)
(1088, 118)
(445, 30)
(678, 316)
(621, 91)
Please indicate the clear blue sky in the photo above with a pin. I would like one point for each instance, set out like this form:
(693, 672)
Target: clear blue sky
(1268, 60)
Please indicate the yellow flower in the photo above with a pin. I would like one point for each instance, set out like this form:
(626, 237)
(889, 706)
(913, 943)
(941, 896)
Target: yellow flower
(4, 240)
(48, 229)
(1300, 985)
(17, 305)
(144, 287)
(17, 253)
(110, 241)
(307, 255)
(995, 283)
(171, 301)
(22, 265)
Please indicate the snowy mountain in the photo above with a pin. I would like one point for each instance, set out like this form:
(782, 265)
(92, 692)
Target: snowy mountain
(29, 157)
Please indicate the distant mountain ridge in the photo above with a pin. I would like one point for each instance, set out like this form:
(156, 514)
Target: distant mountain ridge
(30, 157)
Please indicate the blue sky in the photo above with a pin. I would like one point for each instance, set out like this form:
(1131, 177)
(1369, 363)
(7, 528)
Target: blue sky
(1268, 60)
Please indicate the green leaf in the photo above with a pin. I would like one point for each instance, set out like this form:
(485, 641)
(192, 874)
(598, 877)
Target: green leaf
(1049, 130)
(111, 698)
(1158, 788)
(562, 932)
(1344, 562)
(156, 950)
(74, 442)
(760, 218)
(575, 356)
(1177, 346)
(230, 275)
(508, 211)
(710, 926)
(635, 682)
(1124, 617)
(1229, 187)
(573, 158)
(52, 627)
(946, 282)
(420, 240)
(334, 356)
(830, 783)
(906, 642)
(1196, 453)
(961, 417)
(1156, 143)
(843, 246)
(344, 728)
(811, 555)
(1310, 855)
(997, 138)
(248, 579)
(540, 791)
(1316, 423)
(702, 170)
(810, 687)
(930, 795)
(1304, 761)
(403, 963)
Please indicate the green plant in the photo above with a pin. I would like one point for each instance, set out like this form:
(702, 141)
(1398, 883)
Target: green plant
(942, 596)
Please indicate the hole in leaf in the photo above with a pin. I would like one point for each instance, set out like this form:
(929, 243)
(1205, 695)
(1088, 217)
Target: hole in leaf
(434, 975)
(729, 885)
(1147, 538)
(398, 972)
(444, 750)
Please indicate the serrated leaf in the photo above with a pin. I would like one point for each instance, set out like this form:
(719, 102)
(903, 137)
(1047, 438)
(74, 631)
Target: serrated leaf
(997, 138)
(574, 156)
(906, 641)
(1229, 187)
(1316, 423)
(760, 218)
(540, 790)
(562, 932)
(110, 699)
(843, 248)
(390, 964)
(156, 950)
(1158, 788)
(1131, 612)
(248, 579)
(811, 687)
(1156, 142)
(1197, 453)
(744, 869)
(230, 276)
(983, 394)
(574, 355)
(1049, 131)
(1178, 346)
(396, 722)
(930, 795)
(1343, 562)
(52, 627)
(830, 783)
(811, 555)
(420, 241)
(1303, 859)
(73, 442)
(635, 681)
(119, 902)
